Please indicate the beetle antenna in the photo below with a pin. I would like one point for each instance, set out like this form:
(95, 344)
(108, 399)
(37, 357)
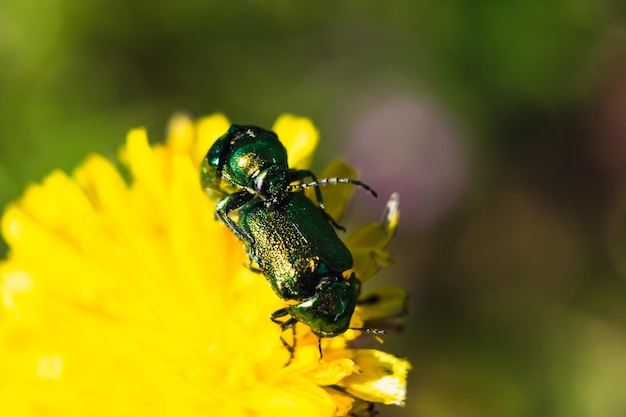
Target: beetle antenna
(334, 180)
(376, 333)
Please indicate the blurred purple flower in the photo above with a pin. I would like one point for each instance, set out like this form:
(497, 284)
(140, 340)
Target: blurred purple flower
(411, 147)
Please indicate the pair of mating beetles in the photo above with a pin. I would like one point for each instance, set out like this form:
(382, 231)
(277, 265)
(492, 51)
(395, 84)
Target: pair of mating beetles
(291, 239)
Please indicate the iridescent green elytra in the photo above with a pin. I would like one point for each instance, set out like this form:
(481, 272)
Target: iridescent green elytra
(249, 162)
(303, 260)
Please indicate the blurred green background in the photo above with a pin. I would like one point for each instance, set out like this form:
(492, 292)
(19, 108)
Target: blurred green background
(501, 123)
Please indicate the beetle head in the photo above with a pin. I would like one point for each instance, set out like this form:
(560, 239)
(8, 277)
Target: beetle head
(329, 311)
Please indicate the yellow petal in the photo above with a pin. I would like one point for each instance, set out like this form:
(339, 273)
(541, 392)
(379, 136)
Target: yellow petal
(332, 372)
(382, 378)
(382, 303)
(103, 184)
(181, 133)
(208, 130)
(368, 242)
(345, 403)
(300, 138)
(336, 196)
(378, 234)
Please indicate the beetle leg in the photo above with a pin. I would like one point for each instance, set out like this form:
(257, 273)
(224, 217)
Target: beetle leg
(332, 221)
(284, 325)
(253, 268)
(300, 175)
(253, 257)
(233, 202)
(319, 346)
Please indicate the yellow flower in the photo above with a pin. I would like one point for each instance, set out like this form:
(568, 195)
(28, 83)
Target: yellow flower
(127, 298)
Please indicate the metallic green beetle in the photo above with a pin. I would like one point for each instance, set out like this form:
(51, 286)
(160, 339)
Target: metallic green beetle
(248, 163)
(303, 261)
(290, 238)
